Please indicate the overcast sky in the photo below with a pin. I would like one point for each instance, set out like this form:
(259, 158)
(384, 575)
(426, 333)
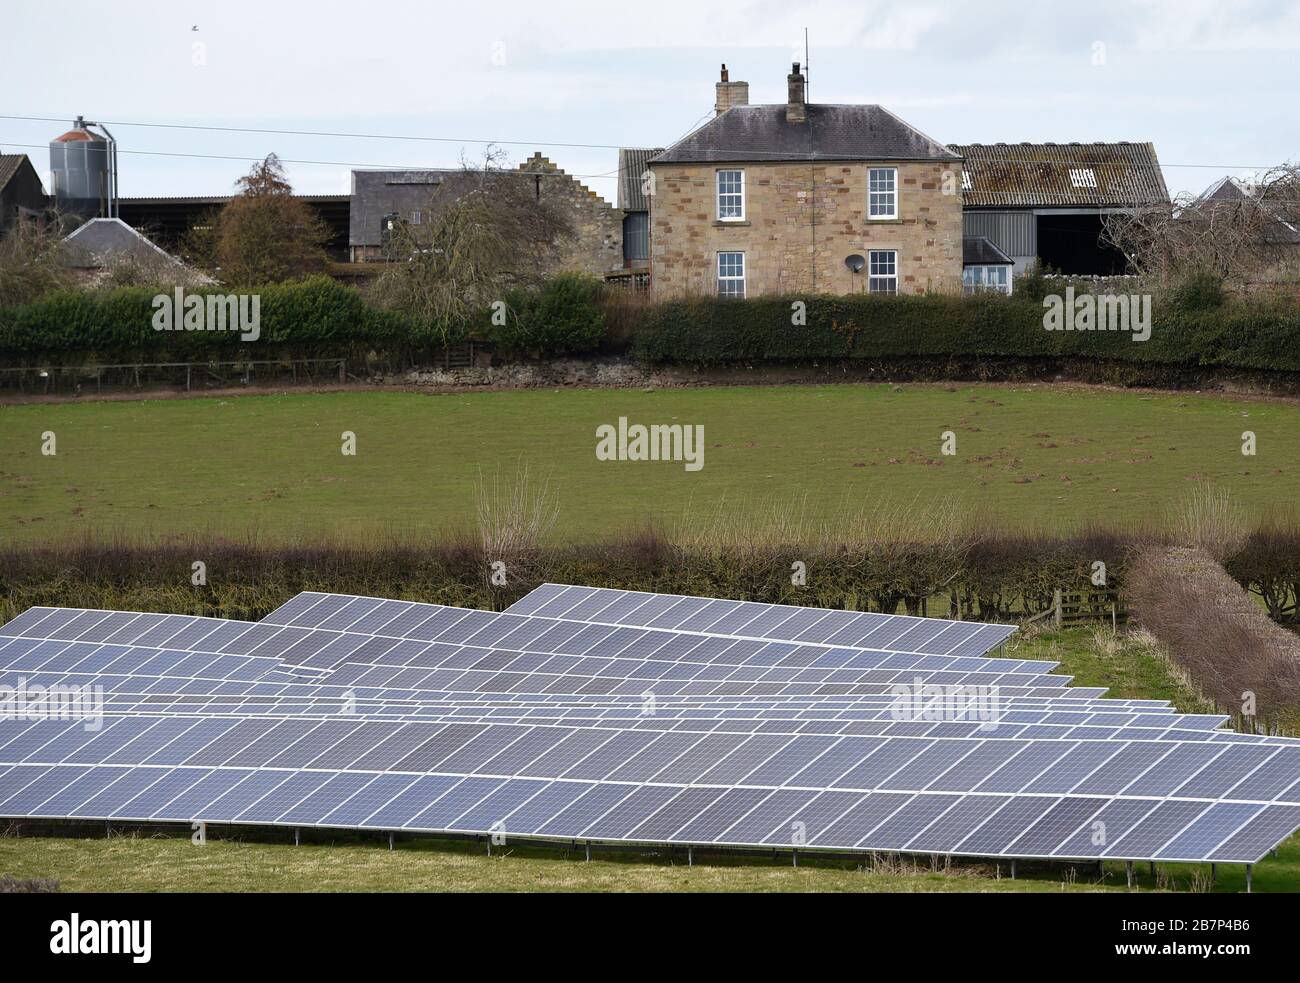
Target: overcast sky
(1214, 85)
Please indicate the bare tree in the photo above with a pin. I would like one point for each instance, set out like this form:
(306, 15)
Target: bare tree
(33, 261)
(1242, 237)
(487, 228)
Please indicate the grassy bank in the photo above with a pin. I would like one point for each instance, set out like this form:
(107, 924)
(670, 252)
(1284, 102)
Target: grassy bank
(142, 863)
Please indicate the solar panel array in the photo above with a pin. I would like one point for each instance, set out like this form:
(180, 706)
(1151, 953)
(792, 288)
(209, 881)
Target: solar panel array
(586, 714)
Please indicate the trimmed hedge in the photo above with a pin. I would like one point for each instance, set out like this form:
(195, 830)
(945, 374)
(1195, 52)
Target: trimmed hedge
(711, 331)
(310, 318)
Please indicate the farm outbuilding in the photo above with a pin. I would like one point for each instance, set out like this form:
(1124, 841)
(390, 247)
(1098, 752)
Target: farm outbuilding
(1047, 202)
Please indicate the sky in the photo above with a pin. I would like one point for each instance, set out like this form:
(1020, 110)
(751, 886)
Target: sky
(1214, 85)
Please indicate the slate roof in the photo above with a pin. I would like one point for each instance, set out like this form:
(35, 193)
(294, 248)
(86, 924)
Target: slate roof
(632, 163)
(1038, 175)
(980, 251)
(103, 239)
(831, 132)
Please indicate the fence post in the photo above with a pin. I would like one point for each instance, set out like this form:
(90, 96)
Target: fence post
(1056, 604)
(343, 371)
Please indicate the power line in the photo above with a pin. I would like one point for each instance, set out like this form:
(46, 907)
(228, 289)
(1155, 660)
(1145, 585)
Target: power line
(325, 133)
(772, 155)
(290, 160)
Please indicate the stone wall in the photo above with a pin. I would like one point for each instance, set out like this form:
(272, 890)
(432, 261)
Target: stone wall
(597, 243)
(801, 221)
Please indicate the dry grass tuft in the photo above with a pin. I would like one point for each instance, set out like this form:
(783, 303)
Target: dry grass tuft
(1208, 519)
(514, 520)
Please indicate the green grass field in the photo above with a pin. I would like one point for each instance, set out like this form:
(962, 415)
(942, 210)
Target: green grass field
(1033, 456)
(1129, 665)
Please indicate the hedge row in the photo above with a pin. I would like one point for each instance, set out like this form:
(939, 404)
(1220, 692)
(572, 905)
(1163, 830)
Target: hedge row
(998, 578)
(317, 317)
(322, 318)
(1239, 335)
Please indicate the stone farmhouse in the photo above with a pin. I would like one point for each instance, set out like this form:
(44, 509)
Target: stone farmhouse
(803, 197)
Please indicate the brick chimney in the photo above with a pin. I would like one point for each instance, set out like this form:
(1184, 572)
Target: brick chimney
(795, 109)
(730, 94)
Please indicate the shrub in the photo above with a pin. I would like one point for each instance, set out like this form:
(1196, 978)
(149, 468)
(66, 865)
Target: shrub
(561, 317)
(1199, 290)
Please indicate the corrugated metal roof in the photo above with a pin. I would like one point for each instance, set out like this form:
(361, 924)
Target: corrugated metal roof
(831, 132)
(632, 163)
(1062, 175)
(9, 165)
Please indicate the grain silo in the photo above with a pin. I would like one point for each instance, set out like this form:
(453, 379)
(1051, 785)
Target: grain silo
(83, 169)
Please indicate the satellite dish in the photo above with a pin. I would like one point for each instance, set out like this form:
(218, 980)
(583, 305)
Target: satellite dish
(855, 263)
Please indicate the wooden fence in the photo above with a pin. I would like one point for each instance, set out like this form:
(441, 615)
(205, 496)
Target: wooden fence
(1077, 607)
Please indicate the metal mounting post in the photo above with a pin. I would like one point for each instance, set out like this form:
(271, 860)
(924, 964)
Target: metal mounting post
(1249, 869)
(1128, 873)
(390, 840)
(1013, 870)
(690, 857)
(296, 832)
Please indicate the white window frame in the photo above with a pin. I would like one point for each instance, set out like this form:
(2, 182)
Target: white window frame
(730, 279)
(873, 276)
(717, 194)
(983, 286)
(893, 191)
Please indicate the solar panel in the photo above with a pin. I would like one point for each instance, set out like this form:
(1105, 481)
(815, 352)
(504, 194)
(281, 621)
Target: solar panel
(771, 621)
(769, 726)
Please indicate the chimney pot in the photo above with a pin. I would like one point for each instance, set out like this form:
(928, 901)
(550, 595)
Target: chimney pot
(725, 78)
